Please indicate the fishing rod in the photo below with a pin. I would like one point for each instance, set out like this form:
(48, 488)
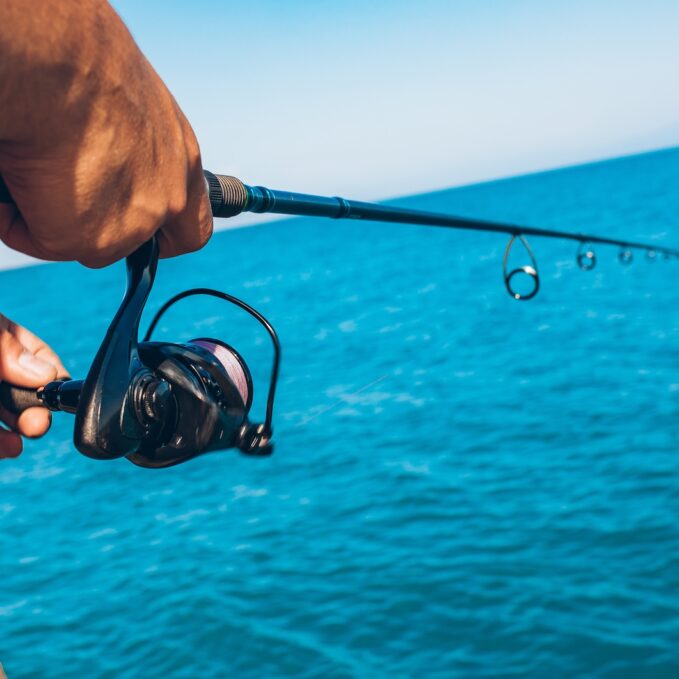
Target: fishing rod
(160, 403)
(229, 197)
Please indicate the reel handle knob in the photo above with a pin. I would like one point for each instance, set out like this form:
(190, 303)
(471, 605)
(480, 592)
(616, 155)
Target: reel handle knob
(255, 440)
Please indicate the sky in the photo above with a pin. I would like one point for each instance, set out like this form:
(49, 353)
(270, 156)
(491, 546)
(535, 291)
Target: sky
(383, 98)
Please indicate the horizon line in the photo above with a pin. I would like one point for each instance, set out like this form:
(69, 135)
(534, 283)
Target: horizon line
(531, 173)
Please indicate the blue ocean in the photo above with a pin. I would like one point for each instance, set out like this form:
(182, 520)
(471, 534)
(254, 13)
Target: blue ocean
(463, 485)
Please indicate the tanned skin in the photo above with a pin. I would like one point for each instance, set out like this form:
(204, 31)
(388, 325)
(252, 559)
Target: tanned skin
(97, 156)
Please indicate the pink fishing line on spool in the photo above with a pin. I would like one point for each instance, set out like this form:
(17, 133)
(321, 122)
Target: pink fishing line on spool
(231, 364)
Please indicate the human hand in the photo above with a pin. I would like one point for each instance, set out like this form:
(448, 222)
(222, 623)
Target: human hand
(93, 147)
(26, 361)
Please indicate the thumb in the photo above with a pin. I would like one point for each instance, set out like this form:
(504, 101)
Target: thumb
(20, 366)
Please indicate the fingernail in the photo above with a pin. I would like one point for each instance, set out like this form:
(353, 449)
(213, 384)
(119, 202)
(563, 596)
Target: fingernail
(36, 366)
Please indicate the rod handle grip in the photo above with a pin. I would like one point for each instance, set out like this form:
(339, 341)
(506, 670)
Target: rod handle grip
(17, 399)
(228, 195)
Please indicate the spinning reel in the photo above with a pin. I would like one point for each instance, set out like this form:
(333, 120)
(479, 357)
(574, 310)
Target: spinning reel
(158, 403)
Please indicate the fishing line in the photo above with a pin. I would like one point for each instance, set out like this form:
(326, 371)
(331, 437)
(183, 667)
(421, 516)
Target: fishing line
(341, 401)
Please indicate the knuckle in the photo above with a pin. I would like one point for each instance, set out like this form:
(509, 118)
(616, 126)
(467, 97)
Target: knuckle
(191, 146)
(10, 348)
(206, 230)
(178, 202)
(195, 159)
(94, 261)
(113, 241)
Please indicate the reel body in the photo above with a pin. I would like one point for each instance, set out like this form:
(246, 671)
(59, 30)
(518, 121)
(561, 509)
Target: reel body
(158, 403)
(190, 406)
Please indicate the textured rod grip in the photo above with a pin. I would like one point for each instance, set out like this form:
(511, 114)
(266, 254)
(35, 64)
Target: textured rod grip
(17, 399)
(228, 195)
(5, 196)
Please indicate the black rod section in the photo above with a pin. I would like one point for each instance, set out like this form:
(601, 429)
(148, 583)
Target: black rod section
(263, 200)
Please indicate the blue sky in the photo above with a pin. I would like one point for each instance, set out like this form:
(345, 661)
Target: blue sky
(384, 98)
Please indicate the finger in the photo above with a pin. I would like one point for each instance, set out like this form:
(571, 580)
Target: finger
(15, 234)
(125, 242)
(190, 230)
(32, 422)
(10, 444)
(38, 347)
(50, 357)
(18, 364)
(13, 231)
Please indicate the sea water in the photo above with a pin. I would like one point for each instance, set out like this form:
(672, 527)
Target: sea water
(463, 485)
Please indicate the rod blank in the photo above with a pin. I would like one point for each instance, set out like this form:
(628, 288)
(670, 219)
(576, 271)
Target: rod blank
(266, 200)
